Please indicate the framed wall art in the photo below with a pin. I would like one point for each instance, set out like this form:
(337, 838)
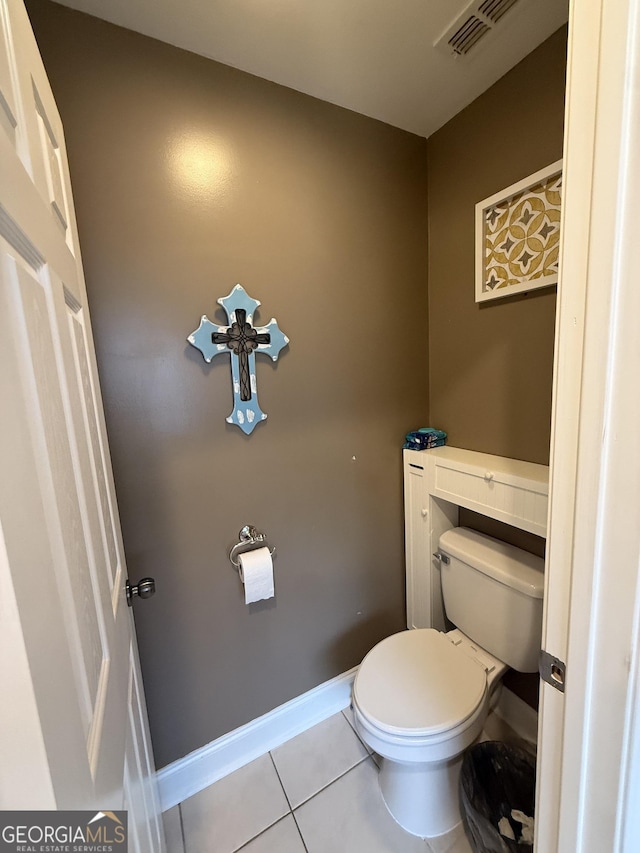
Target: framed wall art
(518, 236)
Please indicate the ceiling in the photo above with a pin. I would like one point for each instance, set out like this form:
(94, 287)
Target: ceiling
(375, 57)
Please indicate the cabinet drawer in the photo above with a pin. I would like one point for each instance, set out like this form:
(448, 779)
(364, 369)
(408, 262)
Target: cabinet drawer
(501, 494)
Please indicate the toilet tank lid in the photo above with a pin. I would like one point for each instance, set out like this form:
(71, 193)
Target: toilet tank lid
(505, 563)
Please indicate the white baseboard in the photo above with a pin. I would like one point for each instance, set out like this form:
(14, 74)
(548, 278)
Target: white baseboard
(522, 718)
(204, 766)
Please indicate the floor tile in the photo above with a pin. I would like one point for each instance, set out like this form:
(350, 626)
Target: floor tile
(282, 837)
(173, 830)
(234, 810)
(348, 713)
(312, 760)
(453, 842)
(350, 815)
(377, 759)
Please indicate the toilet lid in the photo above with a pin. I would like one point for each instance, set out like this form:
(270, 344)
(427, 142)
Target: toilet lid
(417, 680)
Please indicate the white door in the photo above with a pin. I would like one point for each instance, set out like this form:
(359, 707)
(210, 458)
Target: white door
(589, 746)
(73, 725)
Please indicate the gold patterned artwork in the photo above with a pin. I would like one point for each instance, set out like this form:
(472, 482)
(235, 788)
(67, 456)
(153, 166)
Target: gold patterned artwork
(518, 236)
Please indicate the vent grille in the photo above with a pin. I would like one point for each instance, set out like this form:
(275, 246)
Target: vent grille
(495, 9)
(474, 23)
(469, 33)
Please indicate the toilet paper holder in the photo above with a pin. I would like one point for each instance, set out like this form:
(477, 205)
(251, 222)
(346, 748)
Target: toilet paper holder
(250, 538)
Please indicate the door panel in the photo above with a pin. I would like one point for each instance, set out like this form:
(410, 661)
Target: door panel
(33, 548)
(7, 96)
(62, 553)
(139, 761)
(111, 567)
(51, 156)
(39, 355)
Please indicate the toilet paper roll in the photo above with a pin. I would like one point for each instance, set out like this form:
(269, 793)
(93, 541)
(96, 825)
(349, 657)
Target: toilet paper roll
(256, 573)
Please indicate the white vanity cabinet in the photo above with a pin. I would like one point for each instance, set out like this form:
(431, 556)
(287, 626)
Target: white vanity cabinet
(436, 483)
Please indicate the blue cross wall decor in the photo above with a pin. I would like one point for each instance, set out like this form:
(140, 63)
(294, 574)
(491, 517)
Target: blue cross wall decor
(241, 340)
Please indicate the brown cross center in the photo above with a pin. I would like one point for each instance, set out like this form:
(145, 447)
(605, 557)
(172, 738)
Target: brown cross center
(242, 339)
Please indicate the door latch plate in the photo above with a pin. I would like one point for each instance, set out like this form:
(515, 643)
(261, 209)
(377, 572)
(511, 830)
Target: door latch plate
(552, 670)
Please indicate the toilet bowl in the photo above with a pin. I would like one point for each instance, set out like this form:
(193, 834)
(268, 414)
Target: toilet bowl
(421, 696)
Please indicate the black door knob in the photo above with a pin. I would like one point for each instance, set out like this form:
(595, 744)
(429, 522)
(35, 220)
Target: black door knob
(143, 589)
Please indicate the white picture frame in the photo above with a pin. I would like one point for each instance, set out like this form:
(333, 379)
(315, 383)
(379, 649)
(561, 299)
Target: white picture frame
(518, 236)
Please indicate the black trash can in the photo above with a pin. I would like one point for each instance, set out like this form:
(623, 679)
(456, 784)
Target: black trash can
(496, 781)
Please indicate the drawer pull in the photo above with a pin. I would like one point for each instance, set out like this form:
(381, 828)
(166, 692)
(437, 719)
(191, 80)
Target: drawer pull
(488, 475)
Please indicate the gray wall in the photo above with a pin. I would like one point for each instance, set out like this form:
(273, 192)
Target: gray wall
(491, 364)
(188, 177)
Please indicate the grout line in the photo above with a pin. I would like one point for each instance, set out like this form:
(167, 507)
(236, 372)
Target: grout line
(184, 840)
(282, 817)
(270, 826)
(353, 729)
(284, 790)
(329, 784)
(343, 712)
(295, 820)
(262, 832)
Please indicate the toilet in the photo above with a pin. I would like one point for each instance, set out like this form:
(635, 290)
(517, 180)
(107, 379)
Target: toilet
(421, 696)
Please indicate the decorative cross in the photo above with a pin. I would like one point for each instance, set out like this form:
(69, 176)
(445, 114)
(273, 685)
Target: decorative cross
(241, 340)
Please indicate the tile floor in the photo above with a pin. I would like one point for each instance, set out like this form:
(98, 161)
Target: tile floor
(317, 793)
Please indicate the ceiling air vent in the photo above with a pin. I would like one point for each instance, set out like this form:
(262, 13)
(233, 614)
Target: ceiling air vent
(471, 25)
(495, 9)
(467, 35)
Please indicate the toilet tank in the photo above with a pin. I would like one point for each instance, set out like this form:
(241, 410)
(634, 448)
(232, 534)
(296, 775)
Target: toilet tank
(493, 593)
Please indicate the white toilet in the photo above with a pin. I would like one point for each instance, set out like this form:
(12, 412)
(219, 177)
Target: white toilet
(421, 697)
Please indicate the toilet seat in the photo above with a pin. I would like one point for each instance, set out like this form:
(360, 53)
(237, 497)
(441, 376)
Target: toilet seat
(420, 698)
(394, 688)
